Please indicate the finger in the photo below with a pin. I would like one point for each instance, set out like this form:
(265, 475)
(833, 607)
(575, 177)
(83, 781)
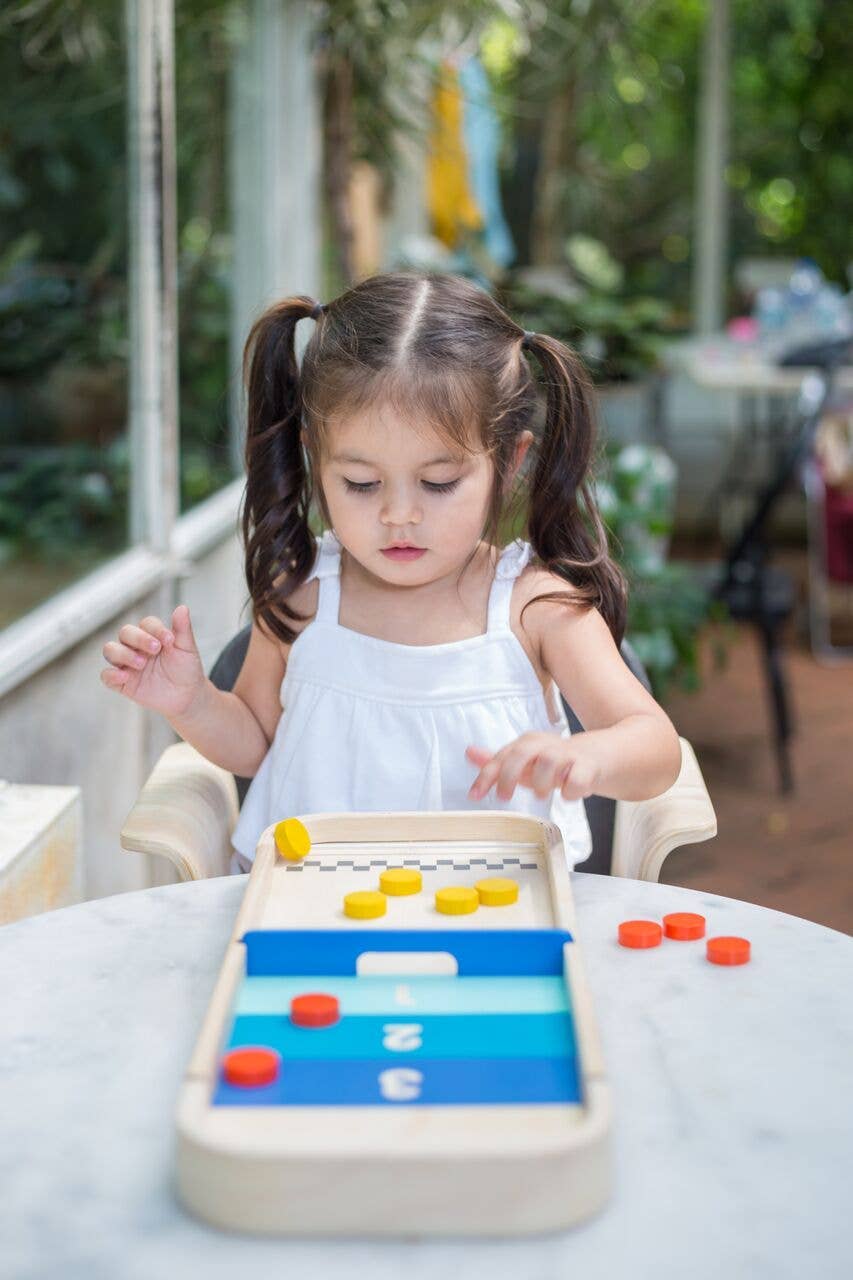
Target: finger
(544, 775)
(487, 776)
(138, 638)
(510, 773)
(120, 655)
(183, 628)
(478, 755)
(158, 629)
(114, 679)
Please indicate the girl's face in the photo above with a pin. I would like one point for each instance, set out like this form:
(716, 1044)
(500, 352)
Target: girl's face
(388, 485)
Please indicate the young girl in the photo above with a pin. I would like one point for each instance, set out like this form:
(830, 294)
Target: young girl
(404, 660)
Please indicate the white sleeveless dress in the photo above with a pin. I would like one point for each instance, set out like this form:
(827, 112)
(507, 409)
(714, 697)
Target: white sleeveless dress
(368, 724)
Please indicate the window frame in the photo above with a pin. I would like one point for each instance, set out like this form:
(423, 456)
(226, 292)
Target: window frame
(277, 147)
(162, 543)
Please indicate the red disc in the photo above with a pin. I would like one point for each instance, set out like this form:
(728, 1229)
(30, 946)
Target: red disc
(684, 926)
(314, 1010)
(251, 1068)
(640, 933)
(728, 950)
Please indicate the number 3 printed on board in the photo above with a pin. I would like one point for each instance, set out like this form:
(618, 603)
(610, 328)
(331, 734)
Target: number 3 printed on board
(400, 1084)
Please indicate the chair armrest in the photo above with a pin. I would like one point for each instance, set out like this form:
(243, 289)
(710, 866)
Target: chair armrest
(186, 812)
(645, 831)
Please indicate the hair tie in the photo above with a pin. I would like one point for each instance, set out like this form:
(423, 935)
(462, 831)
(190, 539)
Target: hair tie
(526, 339)
(317, 310)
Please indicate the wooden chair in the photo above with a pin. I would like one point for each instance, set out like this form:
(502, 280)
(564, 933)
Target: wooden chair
(188, 808)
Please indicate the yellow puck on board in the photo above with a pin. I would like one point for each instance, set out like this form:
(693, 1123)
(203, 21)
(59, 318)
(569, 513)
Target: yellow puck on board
(400, 880)
(497, 892)
(292, 839)
(457, 900)
(365, 905)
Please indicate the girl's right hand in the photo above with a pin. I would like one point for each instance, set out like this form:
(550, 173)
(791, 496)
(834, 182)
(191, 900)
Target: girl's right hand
(156, 667)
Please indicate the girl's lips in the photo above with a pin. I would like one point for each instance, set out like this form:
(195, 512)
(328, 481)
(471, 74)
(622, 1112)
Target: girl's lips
(404, 553)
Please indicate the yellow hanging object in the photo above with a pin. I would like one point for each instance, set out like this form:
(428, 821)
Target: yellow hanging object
(452, 206)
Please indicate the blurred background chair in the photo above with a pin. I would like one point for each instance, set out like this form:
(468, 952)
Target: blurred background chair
(754, 590)
(188, 808)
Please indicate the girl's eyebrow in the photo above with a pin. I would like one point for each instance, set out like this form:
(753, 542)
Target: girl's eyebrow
(365, 462)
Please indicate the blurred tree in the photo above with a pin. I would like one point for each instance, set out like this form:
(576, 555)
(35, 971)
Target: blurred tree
(599, 99)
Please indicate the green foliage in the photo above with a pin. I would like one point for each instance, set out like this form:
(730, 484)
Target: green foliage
(668, 610)
(669, 607)
(634, 82)
(619, 338)
(61, 503)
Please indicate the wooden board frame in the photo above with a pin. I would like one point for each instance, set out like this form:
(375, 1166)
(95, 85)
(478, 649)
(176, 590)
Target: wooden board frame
(460, 1170)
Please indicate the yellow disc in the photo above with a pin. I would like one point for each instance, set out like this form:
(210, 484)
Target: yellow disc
(497, 892)
(400, 880)
(457, 900)
(292, 839)
(365, 905)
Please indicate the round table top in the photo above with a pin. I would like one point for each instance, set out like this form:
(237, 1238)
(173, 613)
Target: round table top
(732, 1124)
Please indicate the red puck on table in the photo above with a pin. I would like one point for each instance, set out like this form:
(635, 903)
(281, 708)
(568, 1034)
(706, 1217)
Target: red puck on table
(314, 1009)
(728, 950)
(251, 1067)
(640, 933)
(684, 926)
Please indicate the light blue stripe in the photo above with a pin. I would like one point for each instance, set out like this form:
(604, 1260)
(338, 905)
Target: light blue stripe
(400, 997)
(402, 1040)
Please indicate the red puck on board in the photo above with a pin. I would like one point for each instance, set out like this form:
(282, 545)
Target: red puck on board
(728, 950)
(684, 926)
(640, 933)
(314, 1009)
(251, 1067)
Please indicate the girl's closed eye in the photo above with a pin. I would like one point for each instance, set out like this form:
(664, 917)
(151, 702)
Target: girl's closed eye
(446, 486)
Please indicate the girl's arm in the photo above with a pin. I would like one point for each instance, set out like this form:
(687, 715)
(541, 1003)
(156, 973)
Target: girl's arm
(234, 730)
(629, 749)
(630, 736)
(159, 667)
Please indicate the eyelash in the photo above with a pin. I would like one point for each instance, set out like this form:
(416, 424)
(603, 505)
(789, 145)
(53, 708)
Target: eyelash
(447, 487)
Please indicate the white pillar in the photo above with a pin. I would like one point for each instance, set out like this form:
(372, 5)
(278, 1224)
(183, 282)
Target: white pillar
(275, 173)
(408, 215)
(153, 311)
(710, 234)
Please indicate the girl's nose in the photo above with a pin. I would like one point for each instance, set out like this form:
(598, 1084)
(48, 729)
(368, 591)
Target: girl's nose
(399, 509)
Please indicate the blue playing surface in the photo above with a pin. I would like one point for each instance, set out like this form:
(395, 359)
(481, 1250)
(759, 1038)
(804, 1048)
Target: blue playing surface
(499, 1032)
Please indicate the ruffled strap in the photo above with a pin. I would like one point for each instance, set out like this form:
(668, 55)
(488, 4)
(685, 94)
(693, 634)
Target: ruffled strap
(327, 565)
(513, 559)
(328, 559)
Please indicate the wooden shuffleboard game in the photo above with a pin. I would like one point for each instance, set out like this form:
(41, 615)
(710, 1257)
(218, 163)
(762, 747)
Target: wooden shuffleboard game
(409, 1072)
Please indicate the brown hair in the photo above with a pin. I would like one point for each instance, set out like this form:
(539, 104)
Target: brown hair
(441, 351)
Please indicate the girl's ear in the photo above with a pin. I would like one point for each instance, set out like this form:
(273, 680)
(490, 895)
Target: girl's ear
(525, 440)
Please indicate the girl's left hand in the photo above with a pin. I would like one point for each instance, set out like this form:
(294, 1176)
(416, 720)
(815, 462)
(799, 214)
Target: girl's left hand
(541, 761)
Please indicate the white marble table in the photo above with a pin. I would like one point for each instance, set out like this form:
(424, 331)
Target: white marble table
(733, 1124)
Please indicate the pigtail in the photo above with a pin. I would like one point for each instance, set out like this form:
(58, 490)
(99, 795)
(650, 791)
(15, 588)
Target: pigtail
(279, 546)
(564, 525)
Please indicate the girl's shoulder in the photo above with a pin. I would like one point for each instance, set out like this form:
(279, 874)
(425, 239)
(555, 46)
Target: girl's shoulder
(536, 581)
(529, 619)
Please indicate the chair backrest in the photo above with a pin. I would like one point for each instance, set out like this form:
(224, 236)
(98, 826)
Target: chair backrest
(600, 811)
